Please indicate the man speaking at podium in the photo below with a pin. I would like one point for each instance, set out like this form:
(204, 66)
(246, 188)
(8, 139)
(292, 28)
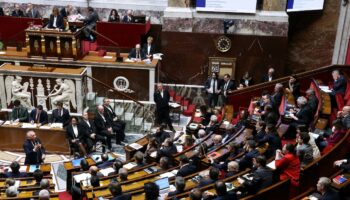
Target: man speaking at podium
(34, 150)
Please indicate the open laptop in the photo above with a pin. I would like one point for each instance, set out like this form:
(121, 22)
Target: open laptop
(163, 185)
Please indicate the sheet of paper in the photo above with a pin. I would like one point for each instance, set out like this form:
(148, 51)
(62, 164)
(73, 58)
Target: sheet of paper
(272, 165)
(129, 165)
(136, 146)
(106, 171)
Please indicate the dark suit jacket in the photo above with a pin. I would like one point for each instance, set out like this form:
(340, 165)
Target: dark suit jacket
(82, 135)
(186, 170)
(296, 90)
(265, 78)
(160, 137)
(20, 113)
(330, 195)
(33, 14)
(32, 157)
(64, 118)
(263, 177)
(109, 113)
(43, 117)
(59, 22)
(250, 82)
(217, 85)
(15, 175)
(152, 49)
(339, 86)
(304, 116)
(247, 160)
(101, 125)
(162, 103)
(122, 197)
(63, 12)
(126, 20)
(91, 20)
(312, 103)
(174, 193)
(88, 129)
(231, 86)
(205, 182)
(17, 14)
(132, 54)
(229, 196)
(277, 99)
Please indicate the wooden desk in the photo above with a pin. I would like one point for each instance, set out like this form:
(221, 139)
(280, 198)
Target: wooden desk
(70, 169)
(50, 43)
(54, 140)
(129, 151)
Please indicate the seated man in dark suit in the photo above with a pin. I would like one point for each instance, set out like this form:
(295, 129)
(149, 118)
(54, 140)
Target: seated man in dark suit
(247, 160)
(60, 115)
(56, 20)
(105, 162)
(213, 177)
(17, 12)
(186, 167)
(128, 18)
(344, 116)
(39, 115)
(149, 48)
(269, 76)
(277, 95)
(139, 160)
(262, 175)
(167, 149)
(103, 127)
(312, 101)
(19, 113)
(339, 84)
(123, 174)
(15, 173)
(44, 185)
(180, 185)
(38, 176)
(76, 136)
(221, 192)
(117, 192)
(161, 135)
(90, 130)
(137, 54)
(325, 191)
(117, 124)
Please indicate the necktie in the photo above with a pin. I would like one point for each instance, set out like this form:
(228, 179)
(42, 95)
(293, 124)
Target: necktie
(60, 112)
(17, 113)
(214, 86)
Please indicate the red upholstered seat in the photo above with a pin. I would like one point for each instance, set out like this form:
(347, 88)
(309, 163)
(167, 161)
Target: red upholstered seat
(190, 110)
(340, 101)
(178, 99)
(347, 92)
(171, 94)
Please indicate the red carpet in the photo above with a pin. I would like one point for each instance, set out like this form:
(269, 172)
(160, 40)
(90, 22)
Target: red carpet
(64, 196)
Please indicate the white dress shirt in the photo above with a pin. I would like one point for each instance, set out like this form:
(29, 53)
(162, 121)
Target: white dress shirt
(54, 24)
(75, 130)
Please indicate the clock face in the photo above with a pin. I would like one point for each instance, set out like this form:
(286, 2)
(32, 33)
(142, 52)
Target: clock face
(223, 44)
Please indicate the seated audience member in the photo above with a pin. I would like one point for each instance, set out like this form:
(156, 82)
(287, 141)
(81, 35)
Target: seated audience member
(338, 132)
(93, 170)
(151, 191)
(344, 116)
(262, 175)
(217, 113)
(288, 163)
(61, 115)
(11, 191)
(19, 113)
(269, 115)
(232, 169)
(152, 147)
(76, 136)
(213, 176)
(128, 18)
(201, 136)
(105, 161)
(272, 138)
(84, 165)
(31, 12)
(180, 185)
(315, 150)
(339, 84)
(116, 166)
(312, 101)
(213, 125)
(221, 192)
(168, 148)
(229, 133)
(266, 99)
(188, 143)
(302, 117)
(149, 48)
(123, 174)
(139, 160)
(66, 11)
(293, 86)
(44, 195)
(243, 120)
(90, 22)
(247, 160)
(164, 163)
(95, 181)
(90, 130)
(114, 16)
(15, 173)
(9, 182)
(260, 133)
(117, 192)
(246, 80)
(277, 95)
(55, 20)
(161, 135)
(205, 115)
(118, 126)
(38, 176)
(217, 142)
(137, 53)
(304, 149)
(325, 191)
(186, 167)
(17, 12)
(269, 76)
(39, 115)
(103, 128)
(195, 194)
(44, 185)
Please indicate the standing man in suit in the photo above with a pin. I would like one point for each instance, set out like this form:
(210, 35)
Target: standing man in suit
(128, 18)
(17, 12)
(137, 54)
(269, 76)
(103, 128)
(90, 23)
(66, 11)
(161, 98)
(60, 115)
(56, 20)
(19, 113)
(39, 115)
(149, 48)
(90, 131)
(227, 87)
(213, 87)
(76, 136)
(34, 149)
(31, 12)
(118, 125)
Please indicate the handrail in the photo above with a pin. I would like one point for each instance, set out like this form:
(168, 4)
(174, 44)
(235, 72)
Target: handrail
(111, 88)
(105, 37)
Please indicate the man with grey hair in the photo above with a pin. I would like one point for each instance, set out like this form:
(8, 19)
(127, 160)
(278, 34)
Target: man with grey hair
(269, 76)
(161, 98)
(137, 54)
(212, 126)
(324, 189)
(339, 84)
(278, 94)
(344, 116)
(11, 191)
(44, 195)
(180, 185)
(217, 142)
(123, 174)
(44, 185)
(201, 136)
(128, 18)
(103, 128)
(312, 102)
(232, 169)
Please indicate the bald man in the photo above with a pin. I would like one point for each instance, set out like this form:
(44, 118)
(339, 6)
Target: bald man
(103, 127)
(137, 53)
(34, 150)
(344, 116)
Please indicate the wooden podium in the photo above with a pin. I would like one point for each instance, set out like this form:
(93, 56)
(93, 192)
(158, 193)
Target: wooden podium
(48, 43)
